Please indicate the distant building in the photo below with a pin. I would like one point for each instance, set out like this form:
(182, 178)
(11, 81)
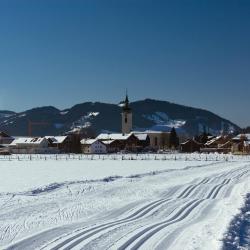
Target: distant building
(127, 142)
(190, 146)
(220, 144)
(62, 143)
(246, 147)
(240, 144)
(5, 139)
(157, 139)
(226, 147)
(93, 146)
(31, 145)
(143, 138)
(113, 146)
(216, 142)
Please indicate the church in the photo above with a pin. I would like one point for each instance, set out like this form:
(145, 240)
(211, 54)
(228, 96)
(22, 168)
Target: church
(132, 140)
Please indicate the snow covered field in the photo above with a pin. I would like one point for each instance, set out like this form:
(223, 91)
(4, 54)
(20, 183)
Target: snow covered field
(170, 201)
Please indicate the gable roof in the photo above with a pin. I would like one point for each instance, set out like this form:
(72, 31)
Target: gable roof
(90, 141)
(28, 140)
(191, 141)
(141, 137)
(213, 140)
(56, 139)
(108, 142)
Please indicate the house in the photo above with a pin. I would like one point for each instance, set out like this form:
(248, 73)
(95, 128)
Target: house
(216, 142)
(62, 143)
(113, 146)
(93, 146)
(136, 140)
(127, 142)
(5, 139)
(220, 144)
(157, 139)
(204, 137)
(31, 145)
(144, 140)
(226, 147)
(246, 147)
(190, 146)
(240, 144)
(241, 137)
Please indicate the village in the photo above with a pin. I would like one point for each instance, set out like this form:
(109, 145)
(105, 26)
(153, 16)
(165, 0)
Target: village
(128, 141)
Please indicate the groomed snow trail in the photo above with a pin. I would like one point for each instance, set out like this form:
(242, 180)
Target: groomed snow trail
(189, 206)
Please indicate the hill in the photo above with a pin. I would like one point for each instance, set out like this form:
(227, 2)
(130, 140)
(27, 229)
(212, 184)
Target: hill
(99, 117)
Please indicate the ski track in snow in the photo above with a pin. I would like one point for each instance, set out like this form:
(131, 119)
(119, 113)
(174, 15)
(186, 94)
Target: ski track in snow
(160, 221)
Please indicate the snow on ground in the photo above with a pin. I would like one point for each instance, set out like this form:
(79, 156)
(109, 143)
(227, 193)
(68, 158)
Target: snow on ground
(171, 201)
(27, 174)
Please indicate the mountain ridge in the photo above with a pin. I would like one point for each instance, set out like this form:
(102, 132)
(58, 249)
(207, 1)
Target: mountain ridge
(98, 116)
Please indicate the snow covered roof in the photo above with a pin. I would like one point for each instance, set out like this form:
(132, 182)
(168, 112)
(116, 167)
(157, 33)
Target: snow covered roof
(28, 140)
(60, 139)
(88, 141)
(213, 140)
(141, 137)
(107, 142)
(56, 139)
(191, 140)
(240, 136)
(210, 137)
(115, 136)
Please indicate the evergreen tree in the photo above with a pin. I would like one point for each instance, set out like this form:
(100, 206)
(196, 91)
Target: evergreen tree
(173, 139)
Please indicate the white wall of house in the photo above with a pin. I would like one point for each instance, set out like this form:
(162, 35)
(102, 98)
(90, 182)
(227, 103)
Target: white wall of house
(96, 147)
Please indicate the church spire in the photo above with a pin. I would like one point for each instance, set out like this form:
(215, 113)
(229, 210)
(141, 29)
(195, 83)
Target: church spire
(126, 99)
(126, 103)
(126, 116)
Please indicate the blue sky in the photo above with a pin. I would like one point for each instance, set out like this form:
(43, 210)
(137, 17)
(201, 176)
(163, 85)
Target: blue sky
(192, 52)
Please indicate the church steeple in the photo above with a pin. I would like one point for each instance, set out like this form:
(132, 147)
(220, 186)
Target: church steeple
(126, 107)
(126, 116)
